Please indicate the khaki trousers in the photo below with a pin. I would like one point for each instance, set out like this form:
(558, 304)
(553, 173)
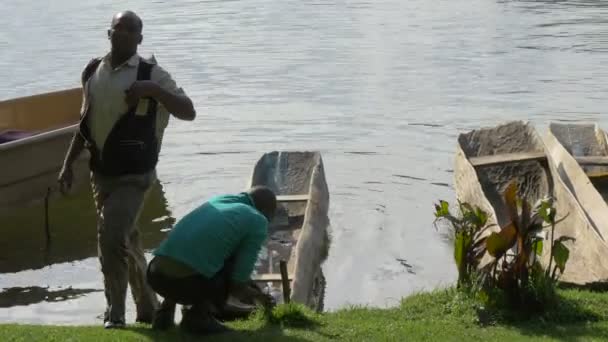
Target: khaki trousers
(118, 201)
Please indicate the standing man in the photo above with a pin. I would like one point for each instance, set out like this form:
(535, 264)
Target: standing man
(126, 106)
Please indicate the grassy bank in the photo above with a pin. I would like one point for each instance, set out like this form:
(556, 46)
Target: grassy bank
(443, 315)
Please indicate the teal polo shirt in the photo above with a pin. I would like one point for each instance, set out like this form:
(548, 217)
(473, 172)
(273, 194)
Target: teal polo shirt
(211, 233)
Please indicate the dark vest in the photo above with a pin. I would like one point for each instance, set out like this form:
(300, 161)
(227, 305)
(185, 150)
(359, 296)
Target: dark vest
(132, 145)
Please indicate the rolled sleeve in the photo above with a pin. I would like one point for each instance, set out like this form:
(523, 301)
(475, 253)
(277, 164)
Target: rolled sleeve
(164, 79)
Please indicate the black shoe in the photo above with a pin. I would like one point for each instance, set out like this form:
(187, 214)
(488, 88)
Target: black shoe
(200, 322)
(164, 317)
(145, 319)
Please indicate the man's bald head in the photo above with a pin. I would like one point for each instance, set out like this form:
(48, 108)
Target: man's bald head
(125, 35)
(129, 18)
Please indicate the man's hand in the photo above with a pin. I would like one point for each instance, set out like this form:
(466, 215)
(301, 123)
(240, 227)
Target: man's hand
(66, 177)
(250, 291)
(141, 89)
(265, 300)
(180, 105)
(262, 298)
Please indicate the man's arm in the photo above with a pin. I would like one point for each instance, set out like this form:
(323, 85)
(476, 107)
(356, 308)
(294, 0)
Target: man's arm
(164, 89)
(66, 175)
(74, 151)
(246, 257)
(178, 104)
(244, 263)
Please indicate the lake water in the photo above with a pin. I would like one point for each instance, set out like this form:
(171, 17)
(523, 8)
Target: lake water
(381, 88)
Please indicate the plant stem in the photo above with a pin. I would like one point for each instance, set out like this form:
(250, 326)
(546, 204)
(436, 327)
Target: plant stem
(464, 260)
(553, 273)
(551, 254)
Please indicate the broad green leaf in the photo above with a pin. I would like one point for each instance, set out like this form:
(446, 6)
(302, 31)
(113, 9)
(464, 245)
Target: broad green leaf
(477, 217)
(538, 247)
(462, 243)
(498, 243)
(482, 216)
(560, 255)
(546, 210)
(466, 208)
(459, 250)
(442, 209)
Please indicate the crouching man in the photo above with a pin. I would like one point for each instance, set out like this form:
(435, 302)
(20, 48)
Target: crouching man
(209, 255)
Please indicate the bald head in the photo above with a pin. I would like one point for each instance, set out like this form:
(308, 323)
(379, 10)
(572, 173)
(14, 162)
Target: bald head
(125, 35)
(128, 18)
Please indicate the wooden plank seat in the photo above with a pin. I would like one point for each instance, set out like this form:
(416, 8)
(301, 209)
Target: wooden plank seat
(269, 277)
(506, 158)
(293, 198)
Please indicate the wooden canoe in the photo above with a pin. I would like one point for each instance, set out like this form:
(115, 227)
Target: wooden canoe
(41, 127)
(579, 155)
(299, 232)
(487, 159)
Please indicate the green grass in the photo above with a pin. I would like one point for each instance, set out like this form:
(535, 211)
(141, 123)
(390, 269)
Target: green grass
(442, 315)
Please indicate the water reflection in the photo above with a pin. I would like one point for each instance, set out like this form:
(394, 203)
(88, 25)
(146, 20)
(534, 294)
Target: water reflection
(72, 227)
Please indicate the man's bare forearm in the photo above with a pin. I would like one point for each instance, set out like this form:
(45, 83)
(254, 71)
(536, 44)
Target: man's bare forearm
(179, 105)
(75, 149)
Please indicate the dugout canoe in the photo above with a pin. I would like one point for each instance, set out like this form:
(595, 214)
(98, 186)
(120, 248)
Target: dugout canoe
(299, 233)
(579, 153)
(487, 159)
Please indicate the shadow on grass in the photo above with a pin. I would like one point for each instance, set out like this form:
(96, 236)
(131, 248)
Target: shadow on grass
(261, 326)
(599, 286)
(268, 332)
(568, 320)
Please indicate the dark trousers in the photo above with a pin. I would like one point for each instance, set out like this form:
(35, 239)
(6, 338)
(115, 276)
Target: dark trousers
(196, 290)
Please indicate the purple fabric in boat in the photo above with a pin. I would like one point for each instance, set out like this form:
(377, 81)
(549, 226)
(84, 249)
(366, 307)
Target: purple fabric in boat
(8, 136)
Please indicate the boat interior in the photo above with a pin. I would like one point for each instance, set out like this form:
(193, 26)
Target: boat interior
(30, 115)
(588, 145)
(289, 176)
(511, 151)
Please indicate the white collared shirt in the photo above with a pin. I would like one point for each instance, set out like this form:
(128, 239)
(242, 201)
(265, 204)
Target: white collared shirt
(105, 93)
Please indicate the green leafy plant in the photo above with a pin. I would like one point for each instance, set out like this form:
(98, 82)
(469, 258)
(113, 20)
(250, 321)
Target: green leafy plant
(469, 243)
(512, 274)
(515, 249)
